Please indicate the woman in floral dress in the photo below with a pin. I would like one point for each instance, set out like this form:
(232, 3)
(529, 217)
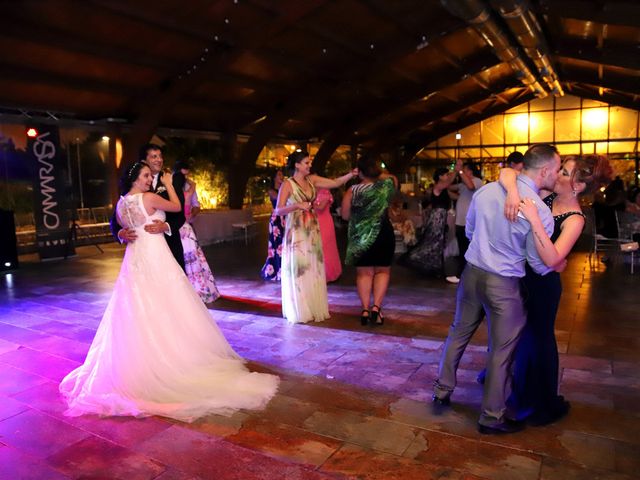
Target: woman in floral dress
(271, 267)
(195, 263)
(304, 289)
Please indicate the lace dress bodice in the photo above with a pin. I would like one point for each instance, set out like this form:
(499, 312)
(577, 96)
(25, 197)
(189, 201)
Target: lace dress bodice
(132, 214)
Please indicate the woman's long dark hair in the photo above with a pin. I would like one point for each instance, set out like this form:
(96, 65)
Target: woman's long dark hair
(295, 157)
(130, 175)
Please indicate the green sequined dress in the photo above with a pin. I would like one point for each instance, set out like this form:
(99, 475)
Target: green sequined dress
(371, 237)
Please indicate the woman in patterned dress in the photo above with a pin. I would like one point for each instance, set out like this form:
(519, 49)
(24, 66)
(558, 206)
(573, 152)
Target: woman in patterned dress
(371, 237)
(195, 263)
(271, 267)
(304, 288)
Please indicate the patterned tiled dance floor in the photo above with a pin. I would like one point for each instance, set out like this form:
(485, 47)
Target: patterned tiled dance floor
(354, 401)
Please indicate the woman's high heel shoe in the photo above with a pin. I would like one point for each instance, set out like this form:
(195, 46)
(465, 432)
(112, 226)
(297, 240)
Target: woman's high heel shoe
(364, 317)
(376, 316)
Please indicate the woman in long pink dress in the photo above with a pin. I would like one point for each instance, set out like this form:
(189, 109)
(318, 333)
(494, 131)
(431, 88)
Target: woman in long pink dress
(322, 207)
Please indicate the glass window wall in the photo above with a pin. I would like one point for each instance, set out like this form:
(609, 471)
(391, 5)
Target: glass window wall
(573, 124)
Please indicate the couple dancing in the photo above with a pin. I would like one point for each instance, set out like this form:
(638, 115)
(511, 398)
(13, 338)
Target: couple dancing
(505, 249)
(157, 351)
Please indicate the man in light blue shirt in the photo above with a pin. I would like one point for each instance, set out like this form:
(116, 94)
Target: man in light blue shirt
(491, 283)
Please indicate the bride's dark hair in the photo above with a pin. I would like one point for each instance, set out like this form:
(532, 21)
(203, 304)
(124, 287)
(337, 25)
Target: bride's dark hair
(130, 175)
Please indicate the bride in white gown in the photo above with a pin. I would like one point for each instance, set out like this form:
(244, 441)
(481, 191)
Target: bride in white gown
(157, 350)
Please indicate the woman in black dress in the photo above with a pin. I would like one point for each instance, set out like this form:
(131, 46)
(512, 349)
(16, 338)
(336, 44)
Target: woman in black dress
(536, 363)
(428, 255)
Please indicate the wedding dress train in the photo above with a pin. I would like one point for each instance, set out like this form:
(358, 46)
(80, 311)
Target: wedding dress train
(157, 350)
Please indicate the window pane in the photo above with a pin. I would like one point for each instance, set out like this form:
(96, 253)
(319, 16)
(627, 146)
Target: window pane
(492, 131)
(469, 153)
(545, 103)
(517, 128)
(570, 149)
(587, 102)
(519, 109)
(601, 148)
(493, 152)
(541, 125)
(622, 147)
(595, 123)
(447, 153)
(430, 154)
(567, 101)
(567, 125)
(623, 123)
(448, 140)
(470, 135)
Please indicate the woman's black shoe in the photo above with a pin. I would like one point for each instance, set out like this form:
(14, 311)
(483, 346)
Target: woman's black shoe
(552, 415)
(376, 316)
(364, 319)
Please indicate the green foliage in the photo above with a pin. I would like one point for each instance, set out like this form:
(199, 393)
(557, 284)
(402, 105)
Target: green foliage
(17, 196)
(339, 164)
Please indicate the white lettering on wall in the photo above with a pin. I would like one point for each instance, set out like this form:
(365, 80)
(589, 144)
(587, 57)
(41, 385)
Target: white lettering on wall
(43, 150)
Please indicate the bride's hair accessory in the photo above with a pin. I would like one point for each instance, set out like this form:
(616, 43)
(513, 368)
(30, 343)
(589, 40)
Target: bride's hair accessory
(130, 175)
(133, 172)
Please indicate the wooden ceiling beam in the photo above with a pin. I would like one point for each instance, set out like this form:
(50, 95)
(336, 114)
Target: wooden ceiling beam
(418, 120)
(376, 110)
(222, 55)
(612, 56)
(74, 82)
(611, 13)
(64, 40)
(152, 18)
(629, 86)
(612, 97)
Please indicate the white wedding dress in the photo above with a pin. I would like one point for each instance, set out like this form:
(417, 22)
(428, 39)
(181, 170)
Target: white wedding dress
(157, 350)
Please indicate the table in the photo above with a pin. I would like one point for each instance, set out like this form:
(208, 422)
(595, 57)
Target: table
(214, 226)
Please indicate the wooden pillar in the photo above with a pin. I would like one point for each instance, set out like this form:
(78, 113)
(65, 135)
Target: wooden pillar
(241, 170)
(354, 154)
(237, 177)
(114, 164)
(325, 151)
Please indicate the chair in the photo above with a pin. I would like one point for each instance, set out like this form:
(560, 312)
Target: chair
(244, 226)
(601, 244)
(100, 214)
(624, 221)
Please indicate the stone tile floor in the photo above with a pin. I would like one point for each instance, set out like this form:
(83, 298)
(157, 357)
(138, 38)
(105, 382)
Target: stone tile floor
(353, 401)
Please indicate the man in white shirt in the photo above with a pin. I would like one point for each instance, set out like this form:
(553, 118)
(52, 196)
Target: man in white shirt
(470, 181)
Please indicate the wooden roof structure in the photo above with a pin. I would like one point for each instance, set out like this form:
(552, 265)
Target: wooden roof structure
(377, 73)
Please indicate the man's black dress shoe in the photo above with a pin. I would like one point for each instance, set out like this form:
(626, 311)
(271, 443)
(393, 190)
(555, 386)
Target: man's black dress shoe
(506, 426)
(439, 405)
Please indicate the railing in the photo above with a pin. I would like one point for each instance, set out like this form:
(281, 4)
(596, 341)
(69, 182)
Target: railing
(92, 226)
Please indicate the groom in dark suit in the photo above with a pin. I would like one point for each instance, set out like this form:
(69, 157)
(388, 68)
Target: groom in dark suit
(152, 155)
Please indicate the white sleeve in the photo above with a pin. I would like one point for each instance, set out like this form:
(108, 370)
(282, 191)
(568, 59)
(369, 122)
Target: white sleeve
(194, 199)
